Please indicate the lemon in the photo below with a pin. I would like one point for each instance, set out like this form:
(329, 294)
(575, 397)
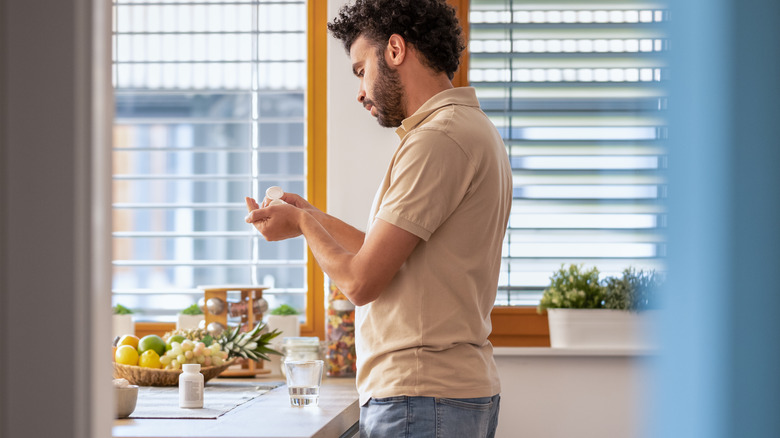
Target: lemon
(130, 340)
(126, 355)
(149, 359)
(151, 342)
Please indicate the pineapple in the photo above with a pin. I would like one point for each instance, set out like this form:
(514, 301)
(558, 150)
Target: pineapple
(248, 345)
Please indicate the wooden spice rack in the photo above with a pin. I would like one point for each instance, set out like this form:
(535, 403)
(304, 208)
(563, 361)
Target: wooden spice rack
(245, 367)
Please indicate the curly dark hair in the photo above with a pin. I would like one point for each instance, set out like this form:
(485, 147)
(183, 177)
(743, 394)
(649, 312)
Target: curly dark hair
(431, 26)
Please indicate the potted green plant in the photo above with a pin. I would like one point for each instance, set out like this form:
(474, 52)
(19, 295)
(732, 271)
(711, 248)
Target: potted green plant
(573, 288)
(635, 291)
(122, 321)
(285, 319)
(190, 317)
(585, 312)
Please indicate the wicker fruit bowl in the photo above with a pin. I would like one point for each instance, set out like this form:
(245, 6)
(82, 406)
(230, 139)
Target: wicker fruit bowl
(157, 377)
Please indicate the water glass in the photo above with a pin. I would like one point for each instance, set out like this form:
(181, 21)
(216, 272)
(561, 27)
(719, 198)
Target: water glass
(304, 378)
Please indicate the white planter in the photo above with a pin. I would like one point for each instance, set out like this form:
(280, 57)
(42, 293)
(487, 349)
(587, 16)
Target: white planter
(290, 326)
(123, 325)
(599, 328)
(186, 322)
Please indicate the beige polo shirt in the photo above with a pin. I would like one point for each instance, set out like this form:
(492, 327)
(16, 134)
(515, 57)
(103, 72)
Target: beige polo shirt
(450, 183)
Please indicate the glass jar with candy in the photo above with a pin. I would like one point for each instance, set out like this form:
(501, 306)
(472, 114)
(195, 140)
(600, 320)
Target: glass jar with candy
(340, 358)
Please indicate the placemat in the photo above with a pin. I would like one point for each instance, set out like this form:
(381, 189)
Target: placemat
(218, 398)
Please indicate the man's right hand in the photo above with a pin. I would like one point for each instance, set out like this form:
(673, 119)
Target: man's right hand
(295, 201)
(346, 235)
(276, 222)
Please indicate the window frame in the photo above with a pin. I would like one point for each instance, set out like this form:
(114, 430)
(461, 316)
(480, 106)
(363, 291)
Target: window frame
(316, 149)
(316, 161)
(512, 325)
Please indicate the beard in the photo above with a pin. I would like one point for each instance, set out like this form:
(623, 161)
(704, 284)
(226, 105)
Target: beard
(388, 96)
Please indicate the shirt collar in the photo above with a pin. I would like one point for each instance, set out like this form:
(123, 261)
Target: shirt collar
(454, 96)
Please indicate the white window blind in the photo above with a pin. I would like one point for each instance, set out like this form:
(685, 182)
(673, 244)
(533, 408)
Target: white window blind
(210, 108)
(577, 90)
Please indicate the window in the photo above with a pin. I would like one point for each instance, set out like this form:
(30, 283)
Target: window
(212, 99)
(577, 92)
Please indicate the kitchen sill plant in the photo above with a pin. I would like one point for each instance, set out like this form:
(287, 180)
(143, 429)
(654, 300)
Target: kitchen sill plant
(192, 310)
(573, 288)
(578, 288)
(122, 310)
(635, 291)
(283, 310)
(584, 312)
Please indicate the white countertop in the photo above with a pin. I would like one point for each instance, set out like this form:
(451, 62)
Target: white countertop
(267, 416)
(270, 415)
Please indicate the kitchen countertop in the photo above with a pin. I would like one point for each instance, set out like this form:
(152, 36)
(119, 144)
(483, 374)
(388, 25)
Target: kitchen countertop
(271, 416)
(267, 416)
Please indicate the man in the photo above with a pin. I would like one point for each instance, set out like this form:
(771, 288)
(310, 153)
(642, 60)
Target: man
(424, 276)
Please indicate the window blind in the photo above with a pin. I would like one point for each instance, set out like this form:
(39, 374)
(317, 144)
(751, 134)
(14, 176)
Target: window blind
(210, 108)
(577, 91)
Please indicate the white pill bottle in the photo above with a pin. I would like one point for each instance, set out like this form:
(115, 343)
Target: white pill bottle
(274, 193)
(191, 386)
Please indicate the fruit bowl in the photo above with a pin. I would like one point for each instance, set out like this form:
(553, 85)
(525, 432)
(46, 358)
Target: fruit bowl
(158, 377)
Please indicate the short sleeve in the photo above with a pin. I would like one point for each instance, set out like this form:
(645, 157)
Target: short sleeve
(430, 176)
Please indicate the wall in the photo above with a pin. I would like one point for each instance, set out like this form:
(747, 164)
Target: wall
(563, 393)
(358, 148)
(55, 219)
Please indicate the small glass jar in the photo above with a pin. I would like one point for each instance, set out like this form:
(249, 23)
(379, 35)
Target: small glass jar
(300, 348)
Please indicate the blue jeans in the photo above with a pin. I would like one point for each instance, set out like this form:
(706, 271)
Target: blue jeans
(429, 417)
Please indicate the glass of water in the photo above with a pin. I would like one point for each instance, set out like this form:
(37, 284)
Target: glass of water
(304, 378)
